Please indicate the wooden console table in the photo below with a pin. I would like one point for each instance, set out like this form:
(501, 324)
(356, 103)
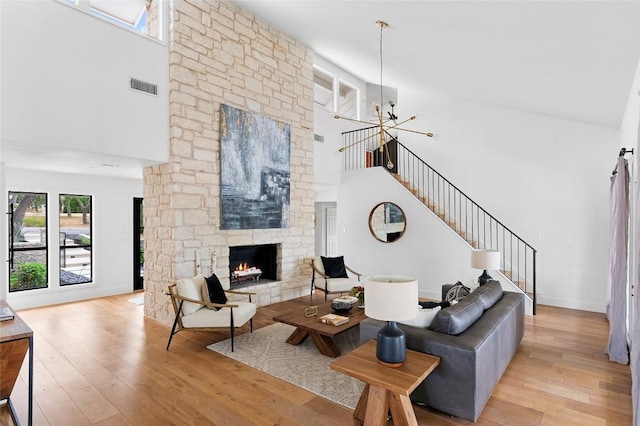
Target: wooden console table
(15, 339)
(385, 387)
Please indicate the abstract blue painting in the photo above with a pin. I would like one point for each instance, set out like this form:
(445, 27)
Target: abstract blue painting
(255, 157)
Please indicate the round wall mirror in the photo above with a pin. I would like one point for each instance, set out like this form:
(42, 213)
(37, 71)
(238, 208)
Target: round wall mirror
(387, 222)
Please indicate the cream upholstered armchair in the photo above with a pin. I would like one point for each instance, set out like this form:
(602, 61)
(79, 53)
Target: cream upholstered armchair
(329, 274)
(195, 309)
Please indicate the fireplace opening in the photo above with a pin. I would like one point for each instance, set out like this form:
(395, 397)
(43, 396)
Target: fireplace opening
(250, 264)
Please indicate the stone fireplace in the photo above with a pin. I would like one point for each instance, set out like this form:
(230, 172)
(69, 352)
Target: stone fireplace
(253, 263)
(222, 54)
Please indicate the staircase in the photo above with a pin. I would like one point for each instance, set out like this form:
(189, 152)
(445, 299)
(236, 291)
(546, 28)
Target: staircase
(478, 228)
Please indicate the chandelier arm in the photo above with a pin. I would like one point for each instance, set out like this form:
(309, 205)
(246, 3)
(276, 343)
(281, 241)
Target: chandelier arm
(428, 134)
(401, 123)
(341, 117)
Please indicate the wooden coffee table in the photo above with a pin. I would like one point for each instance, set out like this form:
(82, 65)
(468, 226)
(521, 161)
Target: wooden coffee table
(322, 334)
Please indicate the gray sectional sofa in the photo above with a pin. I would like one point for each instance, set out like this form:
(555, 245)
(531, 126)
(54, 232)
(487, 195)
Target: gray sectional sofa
(472, 361)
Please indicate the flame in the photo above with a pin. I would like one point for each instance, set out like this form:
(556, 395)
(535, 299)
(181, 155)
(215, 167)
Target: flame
(242, 267)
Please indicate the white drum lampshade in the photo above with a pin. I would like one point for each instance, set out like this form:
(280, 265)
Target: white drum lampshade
(391, 298)
(485, 259)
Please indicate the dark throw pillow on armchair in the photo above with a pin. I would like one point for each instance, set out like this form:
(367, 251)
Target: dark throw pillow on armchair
(214, 293)
(334, 267)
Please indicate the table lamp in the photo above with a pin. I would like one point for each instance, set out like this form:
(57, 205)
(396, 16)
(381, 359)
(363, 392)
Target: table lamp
(485, 259)
(391, 298)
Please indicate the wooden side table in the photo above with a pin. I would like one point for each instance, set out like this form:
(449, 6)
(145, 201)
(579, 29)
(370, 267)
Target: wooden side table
(385, 387)
(15, 339)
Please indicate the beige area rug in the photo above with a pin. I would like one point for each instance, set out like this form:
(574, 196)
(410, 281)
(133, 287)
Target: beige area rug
(302, 365)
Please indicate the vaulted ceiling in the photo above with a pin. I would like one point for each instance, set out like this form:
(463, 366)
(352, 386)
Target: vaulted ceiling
(570, 59)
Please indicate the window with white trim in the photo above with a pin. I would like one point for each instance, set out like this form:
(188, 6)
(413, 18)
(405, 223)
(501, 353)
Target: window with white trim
(347, 100)
(323, 88)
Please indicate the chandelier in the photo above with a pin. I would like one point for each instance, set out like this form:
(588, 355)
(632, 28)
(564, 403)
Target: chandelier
(384, 124)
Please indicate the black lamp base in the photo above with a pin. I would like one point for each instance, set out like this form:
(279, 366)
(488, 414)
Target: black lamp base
(484, 278)
(391, 349)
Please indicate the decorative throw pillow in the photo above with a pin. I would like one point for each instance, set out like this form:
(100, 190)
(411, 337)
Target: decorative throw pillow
(213, 291)
(334, 267)
(425, 317)
(457, 292)
(431, 305)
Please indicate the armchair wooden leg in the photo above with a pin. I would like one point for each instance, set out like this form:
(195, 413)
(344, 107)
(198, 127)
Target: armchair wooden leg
(251, 325)
(311, 292)
(175, 324)
(173, 331)
(232, 329)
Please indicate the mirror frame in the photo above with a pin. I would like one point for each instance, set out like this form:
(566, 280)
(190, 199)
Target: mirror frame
(384, 205)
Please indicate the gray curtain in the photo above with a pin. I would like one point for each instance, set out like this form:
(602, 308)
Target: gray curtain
(618, 273)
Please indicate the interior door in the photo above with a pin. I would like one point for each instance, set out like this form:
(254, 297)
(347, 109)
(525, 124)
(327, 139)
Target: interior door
(138, 245)
(331, 231)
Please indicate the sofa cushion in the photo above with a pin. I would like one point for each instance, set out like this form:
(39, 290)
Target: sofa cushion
(425, 317)
(209, 318)
(334, 267)
(192, 289)
(213, 292)
(457, 318)
(336, 284)
(489, 293)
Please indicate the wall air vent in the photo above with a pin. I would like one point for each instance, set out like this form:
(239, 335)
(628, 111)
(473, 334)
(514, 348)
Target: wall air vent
(318, 138)
(143, 86)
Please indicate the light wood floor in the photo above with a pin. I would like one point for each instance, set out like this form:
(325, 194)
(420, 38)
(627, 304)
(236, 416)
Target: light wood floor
(101, 362)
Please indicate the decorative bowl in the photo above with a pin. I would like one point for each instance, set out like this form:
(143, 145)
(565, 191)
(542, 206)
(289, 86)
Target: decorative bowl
(340, 307)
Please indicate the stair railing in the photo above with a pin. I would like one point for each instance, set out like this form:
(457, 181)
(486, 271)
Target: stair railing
(468, 219)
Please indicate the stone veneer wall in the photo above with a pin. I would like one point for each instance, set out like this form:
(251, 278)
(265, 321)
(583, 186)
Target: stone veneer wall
(220, 53)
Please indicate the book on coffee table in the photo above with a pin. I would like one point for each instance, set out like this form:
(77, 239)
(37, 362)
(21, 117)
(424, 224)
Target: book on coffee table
(334, 319)
(6, 314)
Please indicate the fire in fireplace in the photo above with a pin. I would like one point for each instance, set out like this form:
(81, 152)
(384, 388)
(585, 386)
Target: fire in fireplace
(253, 263)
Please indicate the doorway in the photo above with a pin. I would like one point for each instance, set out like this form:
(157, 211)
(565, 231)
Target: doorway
(138, 245)
(326, 232)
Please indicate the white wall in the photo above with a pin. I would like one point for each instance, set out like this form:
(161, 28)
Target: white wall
(112, 239)
(4, 270)
(629, 138)
(629, 128)
(65, 82)
(428, 250)
(547, 179)
(328, 162)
